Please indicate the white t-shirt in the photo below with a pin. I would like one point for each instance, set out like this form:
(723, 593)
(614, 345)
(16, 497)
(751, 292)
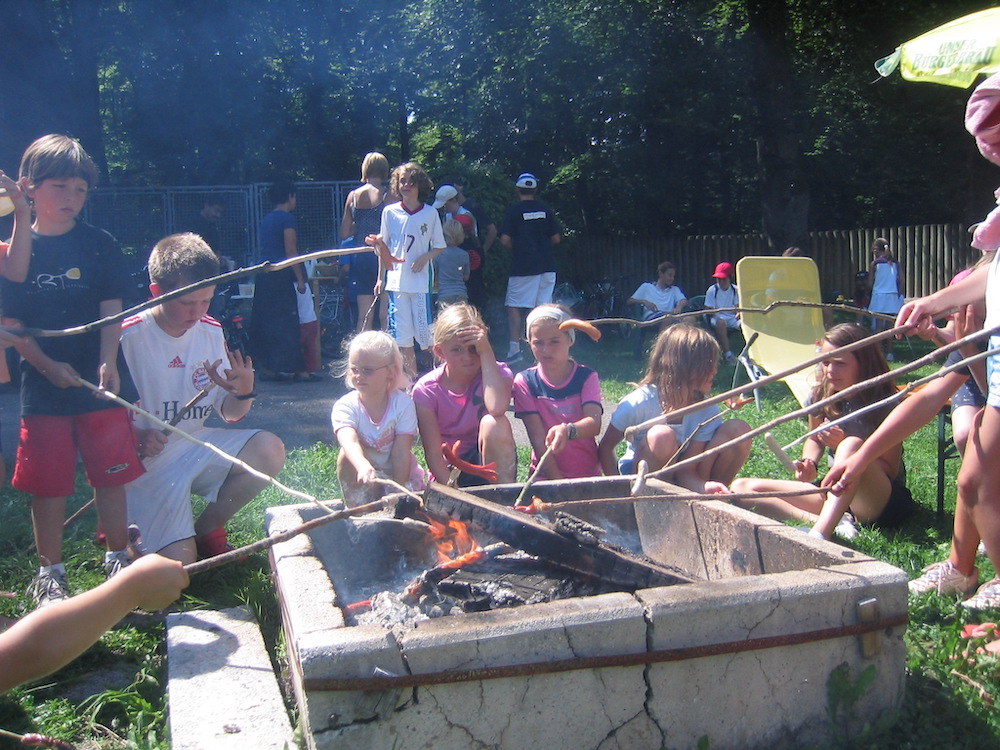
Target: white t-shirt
(644, 403)
(170, 370)
(716, 296)
(400, 418)
(664, 299)
(409, 236)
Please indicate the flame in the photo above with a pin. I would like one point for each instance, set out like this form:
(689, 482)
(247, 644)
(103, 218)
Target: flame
(452, 538)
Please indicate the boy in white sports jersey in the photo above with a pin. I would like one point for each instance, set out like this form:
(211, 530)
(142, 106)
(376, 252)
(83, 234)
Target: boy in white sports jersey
(411, 230)
(173, 351)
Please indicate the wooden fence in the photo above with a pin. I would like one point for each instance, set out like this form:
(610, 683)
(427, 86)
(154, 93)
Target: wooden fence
(931, 255)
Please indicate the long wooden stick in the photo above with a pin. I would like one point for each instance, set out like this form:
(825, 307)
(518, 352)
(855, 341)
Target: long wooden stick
(175, 421)
(265, 267)
(673, 416)
(844, 394)
(215, 449)
(898, 396)
(534, 476)
(674, 317)
(543, 507)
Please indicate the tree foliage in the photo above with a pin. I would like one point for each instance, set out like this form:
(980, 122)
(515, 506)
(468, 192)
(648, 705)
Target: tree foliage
(640, 116)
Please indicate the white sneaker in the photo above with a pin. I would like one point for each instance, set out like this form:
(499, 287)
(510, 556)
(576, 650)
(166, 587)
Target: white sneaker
(944, 579)
(987, 597)
(847, 527)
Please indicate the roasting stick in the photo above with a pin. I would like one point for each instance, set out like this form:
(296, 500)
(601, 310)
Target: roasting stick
(672, 317)
(631, 432)
(901, 370)
(239, 273)
(191, 439)
(175, 421)
(534, 476)
(844, 394)
(540, 506)
(898, 396)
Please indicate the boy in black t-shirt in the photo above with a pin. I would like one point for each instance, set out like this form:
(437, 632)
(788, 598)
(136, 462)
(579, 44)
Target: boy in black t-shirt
(68, 274)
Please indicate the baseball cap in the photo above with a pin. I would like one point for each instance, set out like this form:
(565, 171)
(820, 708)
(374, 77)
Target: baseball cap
(444, 194)
(465, 220)
(526, 180)
(723, 271)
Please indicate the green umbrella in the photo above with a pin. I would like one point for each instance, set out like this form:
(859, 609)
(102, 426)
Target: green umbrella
(953, 54)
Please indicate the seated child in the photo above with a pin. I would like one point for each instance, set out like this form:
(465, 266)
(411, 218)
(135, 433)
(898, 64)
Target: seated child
(682, 366)
(375, 423)
(879, 495)
(452, 266)
(723, 294)
(558, 400)
(465, 399)
(173, 351)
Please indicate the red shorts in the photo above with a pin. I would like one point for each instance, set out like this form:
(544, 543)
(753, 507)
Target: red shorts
(46, 456)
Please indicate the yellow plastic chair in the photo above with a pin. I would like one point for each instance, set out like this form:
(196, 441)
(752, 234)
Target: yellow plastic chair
(786, 336)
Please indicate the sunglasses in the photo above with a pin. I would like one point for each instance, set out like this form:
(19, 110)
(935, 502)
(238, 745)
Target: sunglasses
(365, 371)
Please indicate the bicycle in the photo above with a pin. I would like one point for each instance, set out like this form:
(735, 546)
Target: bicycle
(336, 319)
(607, 299)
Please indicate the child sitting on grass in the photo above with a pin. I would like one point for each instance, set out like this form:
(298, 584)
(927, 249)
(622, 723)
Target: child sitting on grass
(465, 399)
(681, 369)
(879, 496)
(558, 400)
(375, 423)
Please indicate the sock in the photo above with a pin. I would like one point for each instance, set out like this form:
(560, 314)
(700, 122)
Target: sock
(515, 347)
(44, 570)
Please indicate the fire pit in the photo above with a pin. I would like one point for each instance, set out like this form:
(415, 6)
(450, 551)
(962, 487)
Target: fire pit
(741, 654)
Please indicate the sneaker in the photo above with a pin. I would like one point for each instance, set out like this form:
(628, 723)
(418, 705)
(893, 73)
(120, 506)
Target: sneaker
(890, 357)
(730, 358)
(514, 357)
(114, 562)
(847, 527)
(48, 588)
(213, 543)
(987, 597)
(944, 579)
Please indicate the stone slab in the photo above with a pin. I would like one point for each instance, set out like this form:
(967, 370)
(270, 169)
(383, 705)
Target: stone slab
(222, 689)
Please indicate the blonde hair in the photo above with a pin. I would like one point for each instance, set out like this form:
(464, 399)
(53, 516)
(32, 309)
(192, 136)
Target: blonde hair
(380, 344)
(453, 318)
(683, 358)
(454, 233)
(374, 165)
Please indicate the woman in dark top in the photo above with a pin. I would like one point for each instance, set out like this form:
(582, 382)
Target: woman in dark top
(274, 329)
(363, 216)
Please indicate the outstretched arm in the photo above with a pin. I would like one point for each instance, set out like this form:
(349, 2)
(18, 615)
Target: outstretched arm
(51, 637)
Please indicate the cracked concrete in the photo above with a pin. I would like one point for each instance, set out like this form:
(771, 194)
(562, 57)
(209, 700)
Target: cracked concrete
(768, 698)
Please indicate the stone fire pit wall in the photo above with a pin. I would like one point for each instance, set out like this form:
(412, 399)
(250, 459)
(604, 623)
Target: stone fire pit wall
(741, 657)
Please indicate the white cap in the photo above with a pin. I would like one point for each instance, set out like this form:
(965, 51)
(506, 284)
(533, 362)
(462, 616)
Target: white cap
(527, 180)
(444, 194)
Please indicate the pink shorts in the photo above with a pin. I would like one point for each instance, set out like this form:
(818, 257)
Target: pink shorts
(46, 457)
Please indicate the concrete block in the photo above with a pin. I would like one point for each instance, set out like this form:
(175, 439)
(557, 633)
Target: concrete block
(728, 537)
(222, 689)
(783, 548)
(670, 536)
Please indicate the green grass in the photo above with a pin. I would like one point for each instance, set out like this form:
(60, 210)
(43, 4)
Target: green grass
(943, 705)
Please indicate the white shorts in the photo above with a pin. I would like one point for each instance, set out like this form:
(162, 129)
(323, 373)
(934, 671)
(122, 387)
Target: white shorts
(530, 291)
(410, 318)
(159, 502)
(993, 374)
(732, 322)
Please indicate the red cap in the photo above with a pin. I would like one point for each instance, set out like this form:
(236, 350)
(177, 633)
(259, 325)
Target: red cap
(465, 220)
(723, 271)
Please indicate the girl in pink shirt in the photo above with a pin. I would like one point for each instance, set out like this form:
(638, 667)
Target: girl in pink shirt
(465, 398)
(558, 400)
